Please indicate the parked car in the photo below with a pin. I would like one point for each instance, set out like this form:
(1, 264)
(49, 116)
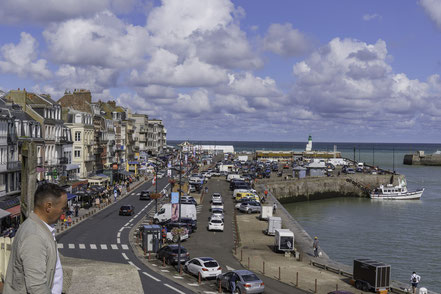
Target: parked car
(246, 281)
(350, 171)
(185, 199)
(250, 207)
(217, 205)
(145, 195)
(170, 252)
(127, 210)
(207, 267)
(245, 200)
(216, 196)
(217, 212)
(216, 224)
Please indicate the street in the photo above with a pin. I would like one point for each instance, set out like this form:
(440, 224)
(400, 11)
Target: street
(105, 237)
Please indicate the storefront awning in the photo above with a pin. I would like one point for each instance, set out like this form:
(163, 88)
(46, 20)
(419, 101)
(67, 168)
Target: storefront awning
(71, 196)
(14, 211)
(72, 166)
(103, 176)
(126, 173)
(4, 213)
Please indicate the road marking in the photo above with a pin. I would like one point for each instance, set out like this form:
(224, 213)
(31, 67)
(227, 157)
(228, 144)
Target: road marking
(132, 264)
(230, 268)
(71, 246)
(151, 277)
(193, 284)
(118, 235)
(209, 292)
(173, 288)
(92, 246)
(154, 264)
(127, 224)
(104, 246)
(114, 246)
(60, 246)
(118, 240)
(177, 277)
(120, 230)
(125, 247)
(165, 271)
(82, 246)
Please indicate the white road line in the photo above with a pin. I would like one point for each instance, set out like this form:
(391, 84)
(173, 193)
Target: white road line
(82, 246)
(173, 288)
(114, 246)
(177, 277)
(165, 271)
(118, 235)
(103, 246)
(60, 246)
(193, 284)
(92, 246)
(118, 240)
(151, 277)
(154, 264)
(125, 256)
(209, 292)
(132, 264)
(125, 247)
(71, 246)
(120, 230)
(127, 224)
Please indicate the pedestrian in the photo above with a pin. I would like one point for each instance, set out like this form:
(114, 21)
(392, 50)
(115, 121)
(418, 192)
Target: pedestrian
(97, 202)
(274, 207)
(69, 221)
(77, 209)
(206, 190)
(233, 281)
(414, 280)
(315, 246)
(34, 264)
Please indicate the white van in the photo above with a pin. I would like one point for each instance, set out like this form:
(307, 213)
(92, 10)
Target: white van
(234, 176)
(165, 213)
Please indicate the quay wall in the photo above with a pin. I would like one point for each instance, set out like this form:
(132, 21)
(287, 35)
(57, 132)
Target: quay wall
(315, 188)
(416, 159)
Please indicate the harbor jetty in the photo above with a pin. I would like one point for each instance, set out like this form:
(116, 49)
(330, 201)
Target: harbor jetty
(420, 158)
(316, 188)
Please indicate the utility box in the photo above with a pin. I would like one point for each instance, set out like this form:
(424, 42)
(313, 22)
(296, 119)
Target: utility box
(283, 240)
(150, 238)
(274, 223)
(371, 275)
(266, 212)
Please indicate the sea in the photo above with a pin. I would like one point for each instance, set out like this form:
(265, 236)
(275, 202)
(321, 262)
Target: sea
(404, 234)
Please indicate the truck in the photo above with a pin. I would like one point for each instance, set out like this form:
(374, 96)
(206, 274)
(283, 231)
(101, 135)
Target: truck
(274, 223)
(371, 275)
(165, 213)
(283, 240)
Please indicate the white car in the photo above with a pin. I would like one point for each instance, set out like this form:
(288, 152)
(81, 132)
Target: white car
(207, 267)
(216, 224)
(217, 212)
(216, 196)
(217, 205)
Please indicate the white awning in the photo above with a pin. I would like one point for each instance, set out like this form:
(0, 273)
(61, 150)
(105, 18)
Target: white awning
(72, 166)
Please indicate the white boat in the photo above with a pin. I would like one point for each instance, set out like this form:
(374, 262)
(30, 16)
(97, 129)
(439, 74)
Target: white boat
(400, 192)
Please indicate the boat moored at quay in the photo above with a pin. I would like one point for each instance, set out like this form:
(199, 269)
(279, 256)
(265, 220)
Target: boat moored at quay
(399, 192)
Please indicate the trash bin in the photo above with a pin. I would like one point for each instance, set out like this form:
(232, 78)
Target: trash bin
(151, 238)
(422, 291)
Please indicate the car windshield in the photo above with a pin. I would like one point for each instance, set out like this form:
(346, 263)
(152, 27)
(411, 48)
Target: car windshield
(250, 278)
(211, 264)
(175, 250)
(125, 207)
(216, 221)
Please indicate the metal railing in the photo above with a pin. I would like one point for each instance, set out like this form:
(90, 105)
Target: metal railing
(14, 165)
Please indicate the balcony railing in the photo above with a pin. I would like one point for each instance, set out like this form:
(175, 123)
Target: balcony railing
(13, 165)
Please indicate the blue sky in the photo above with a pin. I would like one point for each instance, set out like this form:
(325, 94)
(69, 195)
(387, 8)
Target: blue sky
(365, 71)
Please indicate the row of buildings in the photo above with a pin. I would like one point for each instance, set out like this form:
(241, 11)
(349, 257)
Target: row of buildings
(75, 138)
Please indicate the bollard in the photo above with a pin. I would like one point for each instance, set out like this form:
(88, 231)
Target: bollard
(199, 278)
(150, 256)
(248, 262)
(220, 287)
(180, 270)
(336, 287)
(315, 288)
(241, 253)
(58, 230)
(297, 279)
(263, 267)
(279, 274)
(163, 261)
(145, 251)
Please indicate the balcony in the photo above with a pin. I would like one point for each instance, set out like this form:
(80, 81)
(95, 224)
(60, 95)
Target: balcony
(14, 165)
(40, 161)
(3, 167)
(63, 160)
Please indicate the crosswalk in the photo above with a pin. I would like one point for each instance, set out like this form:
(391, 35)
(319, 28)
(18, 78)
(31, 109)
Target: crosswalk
(199, 208)
(72, 246)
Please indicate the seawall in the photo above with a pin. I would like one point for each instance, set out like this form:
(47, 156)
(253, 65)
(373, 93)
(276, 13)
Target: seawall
(417, 159)
(315, 188)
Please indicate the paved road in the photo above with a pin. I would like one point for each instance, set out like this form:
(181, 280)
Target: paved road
(219, 245)
(104, 237)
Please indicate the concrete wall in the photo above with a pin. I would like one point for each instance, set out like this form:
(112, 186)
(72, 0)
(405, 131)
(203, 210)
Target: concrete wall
(356, 185)
(415, 159)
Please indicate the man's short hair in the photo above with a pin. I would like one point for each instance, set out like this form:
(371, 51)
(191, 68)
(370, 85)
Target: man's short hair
(47, 191)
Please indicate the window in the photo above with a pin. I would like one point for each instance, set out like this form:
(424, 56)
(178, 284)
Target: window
(77, 136)
(77, 153)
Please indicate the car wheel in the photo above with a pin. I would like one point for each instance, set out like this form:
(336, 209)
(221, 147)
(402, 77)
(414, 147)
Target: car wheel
(249, 211)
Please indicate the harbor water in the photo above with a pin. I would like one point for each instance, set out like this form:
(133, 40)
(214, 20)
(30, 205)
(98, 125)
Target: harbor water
(404, 234)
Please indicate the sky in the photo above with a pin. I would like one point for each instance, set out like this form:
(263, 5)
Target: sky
(239, 70)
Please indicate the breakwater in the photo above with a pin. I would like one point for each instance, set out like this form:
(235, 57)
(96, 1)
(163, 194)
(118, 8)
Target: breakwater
(315, 188)
(420, 158)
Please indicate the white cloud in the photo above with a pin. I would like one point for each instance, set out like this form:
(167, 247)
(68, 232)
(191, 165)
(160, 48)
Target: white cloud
(45, 11)
(368, 17)
(165, 68)
(246, 84)
(433, 10)
(103, 40)
(156, 91)
(21, 59)
(194, 103)
(284, 40)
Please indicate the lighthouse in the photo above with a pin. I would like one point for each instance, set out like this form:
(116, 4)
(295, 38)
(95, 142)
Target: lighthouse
(309, 145)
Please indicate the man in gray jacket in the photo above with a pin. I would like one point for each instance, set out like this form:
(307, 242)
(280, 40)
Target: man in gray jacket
(34, 265)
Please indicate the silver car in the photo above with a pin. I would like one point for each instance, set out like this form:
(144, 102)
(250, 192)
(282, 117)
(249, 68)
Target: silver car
(245, 280)
(250, 207)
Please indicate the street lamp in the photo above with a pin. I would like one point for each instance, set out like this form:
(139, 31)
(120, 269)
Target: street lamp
(179, 209)
(156, 180)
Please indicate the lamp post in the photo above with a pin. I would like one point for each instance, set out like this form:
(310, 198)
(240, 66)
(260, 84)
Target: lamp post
(180, 191)
(156, 179)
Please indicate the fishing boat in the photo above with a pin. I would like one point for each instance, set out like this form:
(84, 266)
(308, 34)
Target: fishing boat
(399, 192)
